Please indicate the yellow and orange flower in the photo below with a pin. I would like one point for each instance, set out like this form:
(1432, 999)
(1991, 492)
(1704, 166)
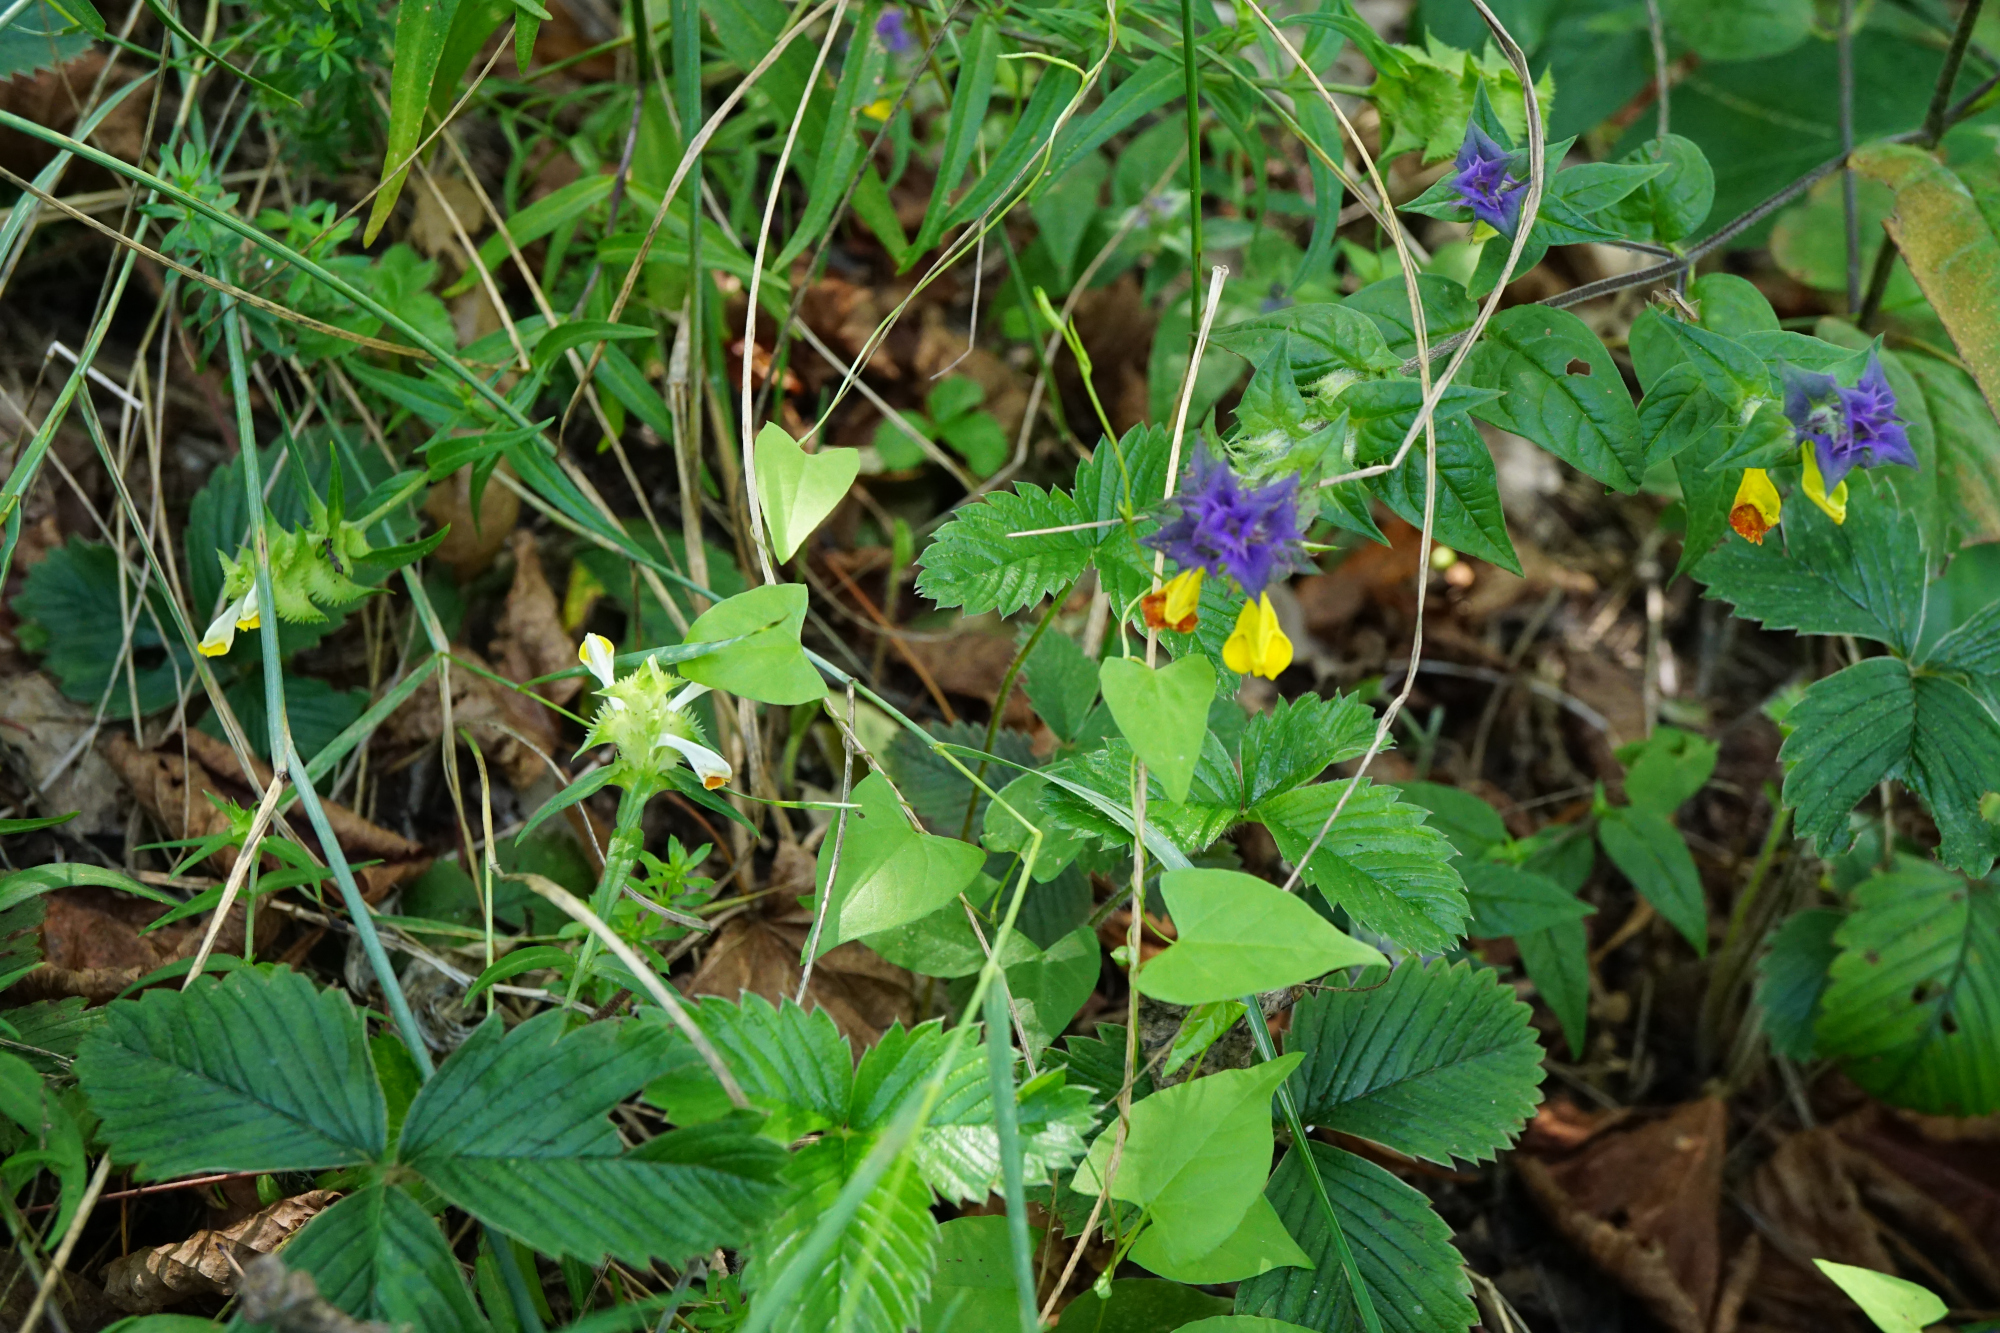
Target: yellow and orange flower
(1755, 511)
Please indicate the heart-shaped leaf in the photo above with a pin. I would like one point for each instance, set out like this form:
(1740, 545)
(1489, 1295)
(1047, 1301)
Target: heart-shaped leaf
(1238, 935)
(1163, 713)
(890, 874)
(797, 489)
(768, 666)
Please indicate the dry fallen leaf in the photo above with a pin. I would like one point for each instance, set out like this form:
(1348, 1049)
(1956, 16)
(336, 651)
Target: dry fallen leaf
(91, 945)
(532, 641)
(1642, 1198)
(510, 726)
(154, 1279)
(38, 729)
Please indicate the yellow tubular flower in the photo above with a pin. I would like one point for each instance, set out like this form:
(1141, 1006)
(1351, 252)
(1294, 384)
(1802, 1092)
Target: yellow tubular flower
(1176, 604)
(1258, 647)
(1834, 505)
(1755, 511)
(246, 610)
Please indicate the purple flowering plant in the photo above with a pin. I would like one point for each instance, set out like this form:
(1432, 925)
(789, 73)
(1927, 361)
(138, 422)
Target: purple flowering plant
(1484, 180)
(894, 32)
(1848, 428)
(1224, 526)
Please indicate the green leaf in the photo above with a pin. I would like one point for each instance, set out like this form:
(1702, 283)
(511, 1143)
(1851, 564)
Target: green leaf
(1557, 960)
(20, 885)
(584, 787)
(1138, 1305)
(1865, 577)
(1061, 684)
(1560, 389)
(1259, 1244)
(797, 489)
(1671, 205)
(1468, 514)
(1401, 1248)
(1242, 1323)
(1667, 768)
(789, 1061)
(1470, 823)
(1968, 445)
(376, 1254)
(970, 95)
(513, 1129)
(1379, 861)
(1163, 713)
(1742, 30)
(1874, 720)
(10, 827)
(1322, 340)
(1651, 853)
(1912, 1004)
(890, 873)
(1049, 987)
(975, 564)
(1438, 1062)
(422, 27)
(52, 1139)
(1296, 741)
(1507, 900)
(1195, 1156)
(770, 666)
(1002, 832)
(71, 597)
(1447, 310)
(974, 1286)
(1947, 237)
(257, 1072)
(1791, 979)
(1238, 935)
(879, 1271)
(1731, 371)
(1893, 1305)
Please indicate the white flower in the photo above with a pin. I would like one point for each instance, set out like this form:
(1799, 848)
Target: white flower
(596, 653)
(221, 635)
(710, 767)
(694, 690)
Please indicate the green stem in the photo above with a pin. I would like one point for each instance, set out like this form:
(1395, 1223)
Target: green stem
(1260, 1033)
(525, 1313)
(1000, 700)
(1193, 93)
(284, 754)
(628, 839)
(1006, 1124)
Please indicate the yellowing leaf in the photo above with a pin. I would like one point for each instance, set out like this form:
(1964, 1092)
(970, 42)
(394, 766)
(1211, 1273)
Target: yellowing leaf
(797, 489)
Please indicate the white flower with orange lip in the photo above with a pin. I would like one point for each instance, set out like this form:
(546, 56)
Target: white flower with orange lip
(239, 614)
(646, 715)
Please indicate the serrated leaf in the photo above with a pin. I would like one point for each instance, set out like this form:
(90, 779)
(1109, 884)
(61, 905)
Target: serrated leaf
(1651, 853)
(1238, 935)
(376, 1254)
(1470, 823)
(72, 596)
(1438, 1062)
(1792, 978)
(1401, 1248)
(1297, 740)
(890, 874)
(1865, 577)
(1912, 1004)
(1380, 860)
(1195, 1155)
(257, 1072)
(513, 1129)
(974, 564)
(789, 1061)
(1561, 390)
(878, 1274)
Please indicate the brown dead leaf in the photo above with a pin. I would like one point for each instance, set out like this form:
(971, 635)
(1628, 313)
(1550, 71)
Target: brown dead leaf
(475, 539)
(290, 1302)
(973, 664)
(174, 790)
(358, 837)
(154, 1279)
(510, 726)
(859, 990)
(532, 641)
(91, 945)
(1643, 1200)
(38, 729)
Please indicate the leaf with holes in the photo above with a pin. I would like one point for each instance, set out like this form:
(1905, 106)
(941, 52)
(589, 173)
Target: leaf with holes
(1560, 389)
(1912, 1003)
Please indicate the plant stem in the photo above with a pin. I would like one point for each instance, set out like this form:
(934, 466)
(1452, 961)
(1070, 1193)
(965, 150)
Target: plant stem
(1007, 689)
(628, 838)
(1850, 208)
(525, 1313)
(1878, 284)
(1954, 56)
(1006, 1124)
(1260, 1033)
(1193, 92)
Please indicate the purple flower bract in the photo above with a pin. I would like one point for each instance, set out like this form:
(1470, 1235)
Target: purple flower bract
(1248, 533)
(1849, 428)
(1483, 182)
(894, 32)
